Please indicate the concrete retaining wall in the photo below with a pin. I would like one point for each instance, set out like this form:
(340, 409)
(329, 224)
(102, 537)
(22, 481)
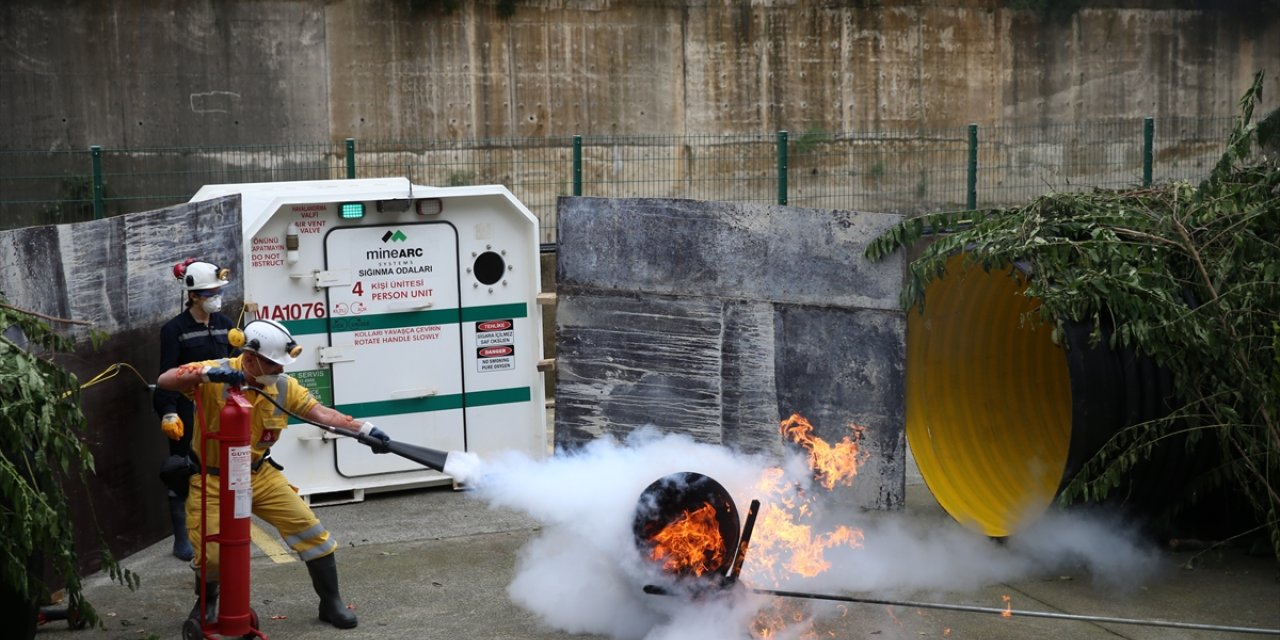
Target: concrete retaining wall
(136, 73)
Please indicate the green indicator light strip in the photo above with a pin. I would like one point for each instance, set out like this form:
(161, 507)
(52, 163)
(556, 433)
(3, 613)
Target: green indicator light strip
(407, 319)
(352, 210)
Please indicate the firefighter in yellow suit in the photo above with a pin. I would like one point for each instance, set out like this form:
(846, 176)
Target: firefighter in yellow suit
(268, 347)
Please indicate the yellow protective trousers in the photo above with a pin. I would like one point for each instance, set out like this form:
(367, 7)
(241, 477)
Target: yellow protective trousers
(273, 500)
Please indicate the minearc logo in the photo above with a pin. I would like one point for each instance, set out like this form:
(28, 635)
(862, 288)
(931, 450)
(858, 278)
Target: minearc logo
(398, 236)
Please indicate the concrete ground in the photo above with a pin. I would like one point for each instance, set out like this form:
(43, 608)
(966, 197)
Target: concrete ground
(436, 563)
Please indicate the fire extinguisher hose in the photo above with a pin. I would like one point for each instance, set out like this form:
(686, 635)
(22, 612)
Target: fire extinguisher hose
(427, 457)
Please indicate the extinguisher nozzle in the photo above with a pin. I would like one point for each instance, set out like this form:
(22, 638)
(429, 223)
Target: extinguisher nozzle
(431, 458)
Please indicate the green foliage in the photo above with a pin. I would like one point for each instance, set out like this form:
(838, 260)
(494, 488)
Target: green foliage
(876, 170)
(462, 178)
(445, 7)
(1055, 10)
(1189, 276)
(74, 203)
(808, 141)
(40, 448)
(1063, 10)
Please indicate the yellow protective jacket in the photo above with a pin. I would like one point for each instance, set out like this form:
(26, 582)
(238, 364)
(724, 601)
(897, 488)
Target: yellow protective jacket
(266, 420)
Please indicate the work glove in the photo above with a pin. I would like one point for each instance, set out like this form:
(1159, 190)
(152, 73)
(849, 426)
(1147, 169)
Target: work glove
(368, 429)
(171, 425)
(225, 375)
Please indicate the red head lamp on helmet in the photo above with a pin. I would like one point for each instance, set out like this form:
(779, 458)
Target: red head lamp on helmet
(180, 269)
(201, 276)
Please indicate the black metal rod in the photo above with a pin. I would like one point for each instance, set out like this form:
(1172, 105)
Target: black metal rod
(741, 556)
(1016, 612)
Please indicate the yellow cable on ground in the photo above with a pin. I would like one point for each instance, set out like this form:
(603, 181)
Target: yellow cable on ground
(109, 373)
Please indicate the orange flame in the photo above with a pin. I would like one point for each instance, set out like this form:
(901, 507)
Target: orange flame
(833, 464)
(691, 542)
(893, 615)
(783, 544)
(783, 615)
(1008, 607)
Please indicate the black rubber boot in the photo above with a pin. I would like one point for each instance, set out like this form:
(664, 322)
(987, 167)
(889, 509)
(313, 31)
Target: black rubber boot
(324, 577)
(178, 517)
(210, 603)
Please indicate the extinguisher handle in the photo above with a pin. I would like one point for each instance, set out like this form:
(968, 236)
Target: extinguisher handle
(367, 429)
(225, 375)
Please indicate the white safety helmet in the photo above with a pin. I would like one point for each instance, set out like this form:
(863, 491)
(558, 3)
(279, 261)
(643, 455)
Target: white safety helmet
(270, 340)
(199, 276)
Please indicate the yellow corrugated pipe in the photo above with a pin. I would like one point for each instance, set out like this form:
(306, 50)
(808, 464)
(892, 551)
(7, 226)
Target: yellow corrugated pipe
(988, 400)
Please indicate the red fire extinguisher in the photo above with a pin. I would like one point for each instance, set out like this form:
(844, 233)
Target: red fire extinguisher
(235, 505)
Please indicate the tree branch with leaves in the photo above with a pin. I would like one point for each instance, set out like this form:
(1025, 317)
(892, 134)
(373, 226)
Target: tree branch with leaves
(1188, 275)
(41, 449)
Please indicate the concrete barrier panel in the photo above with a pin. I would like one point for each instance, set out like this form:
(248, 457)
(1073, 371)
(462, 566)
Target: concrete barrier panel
(719, 320)
(116, 274)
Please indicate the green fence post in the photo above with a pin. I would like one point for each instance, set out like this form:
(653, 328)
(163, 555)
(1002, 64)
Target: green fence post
(782, 167)
(577, 165)
(972, 199)
(351, 158)
(99, 206)
(1148, 148)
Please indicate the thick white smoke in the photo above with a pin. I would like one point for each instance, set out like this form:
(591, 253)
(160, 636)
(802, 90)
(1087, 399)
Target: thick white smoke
(583, 573)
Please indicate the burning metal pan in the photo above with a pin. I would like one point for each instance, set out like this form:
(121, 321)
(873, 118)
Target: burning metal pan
(687, 522)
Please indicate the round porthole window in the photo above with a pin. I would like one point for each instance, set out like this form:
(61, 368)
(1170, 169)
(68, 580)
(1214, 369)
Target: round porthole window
(489, 267)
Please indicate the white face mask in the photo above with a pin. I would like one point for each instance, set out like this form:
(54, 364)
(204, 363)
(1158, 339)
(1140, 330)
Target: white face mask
(264, 379)
(212, 304)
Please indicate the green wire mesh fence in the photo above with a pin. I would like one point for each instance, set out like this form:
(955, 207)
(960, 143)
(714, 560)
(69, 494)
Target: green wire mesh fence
(902, 172)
